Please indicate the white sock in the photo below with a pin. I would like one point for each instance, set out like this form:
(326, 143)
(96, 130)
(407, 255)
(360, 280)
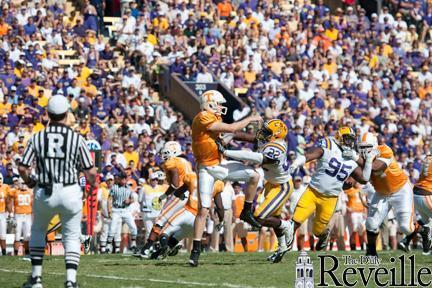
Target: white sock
(281, 242)
(284, 224)
(71, 275)
(36, 270)
(133, 243)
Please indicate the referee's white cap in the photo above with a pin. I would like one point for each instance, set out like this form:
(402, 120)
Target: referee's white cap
(58, 105)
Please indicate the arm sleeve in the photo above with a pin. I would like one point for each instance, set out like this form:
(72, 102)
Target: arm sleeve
(243, 155)
(387, 161)
(29, 154)
(206, 119)
(86, 160)
(367, 169)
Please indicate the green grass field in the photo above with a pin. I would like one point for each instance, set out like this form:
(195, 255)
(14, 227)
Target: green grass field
(216, 270)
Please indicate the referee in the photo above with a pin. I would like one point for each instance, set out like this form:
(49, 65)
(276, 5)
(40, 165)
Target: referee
(59, 154)
(120, 197)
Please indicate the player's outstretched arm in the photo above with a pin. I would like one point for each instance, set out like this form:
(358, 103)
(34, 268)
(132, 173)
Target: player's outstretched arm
(310, 155)
(221, 127)
(357, 174)
(244, 155)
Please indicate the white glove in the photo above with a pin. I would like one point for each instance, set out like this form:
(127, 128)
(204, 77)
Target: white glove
(299, 161)
(350, 154)
(292, 168)
(370, 155)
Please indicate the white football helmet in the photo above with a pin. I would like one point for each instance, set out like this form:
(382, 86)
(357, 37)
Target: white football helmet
(211, 101)
(367, 142)
(170, 149)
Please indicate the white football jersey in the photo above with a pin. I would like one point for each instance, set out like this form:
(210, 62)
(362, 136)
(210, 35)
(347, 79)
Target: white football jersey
(276, 173)
(332, 169)
(149, 199)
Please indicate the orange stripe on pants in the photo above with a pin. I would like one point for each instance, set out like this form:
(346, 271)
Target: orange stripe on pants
(168, 208)
(173, 217)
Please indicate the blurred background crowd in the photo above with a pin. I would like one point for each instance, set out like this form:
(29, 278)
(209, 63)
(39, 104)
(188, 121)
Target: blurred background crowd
(311, 66)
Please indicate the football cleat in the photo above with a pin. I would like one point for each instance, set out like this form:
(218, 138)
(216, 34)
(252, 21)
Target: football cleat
(87, 244)
(174, 251)
(134, 250)
(163, 253)
(323, 241)
(220, 225)
(248, 217)
(193, 259)
(289, 235)
(146, 253)
(26, 258)
(278, 255)
(426, 234)
(70, 284)
(404, 245)
(33, 282)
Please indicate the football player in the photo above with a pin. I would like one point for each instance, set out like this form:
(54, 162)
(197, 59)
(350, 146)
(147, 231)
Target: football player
(105, 188)
(4, 211)
(423, 204)
(181, 224)
(206, 128)
(21, 199)
(355, 213)
(272, 156)
(393, 190)
(334, 166)
(176, 168)
(150, 204)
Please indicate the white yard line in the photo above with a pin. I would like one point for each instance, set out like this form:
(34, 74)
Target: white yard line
(179, 282)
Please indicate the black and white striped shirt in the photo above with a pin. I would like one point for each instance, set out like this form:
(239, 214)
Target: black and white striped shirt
(60, 153)
(119, 194)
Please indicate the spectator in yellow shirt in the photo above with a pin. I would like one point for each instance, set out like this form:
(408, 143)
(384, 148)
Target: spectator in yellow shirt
(42, 99)
(89, 88)
(161, 21)
(250, 20)
(332, 33)
(250, 75)
(33, 88)
(131, 155)
(330, 66)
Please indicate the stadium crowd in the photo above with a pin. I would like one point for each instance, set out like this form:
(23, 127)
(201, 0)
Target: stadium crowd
(310, 66)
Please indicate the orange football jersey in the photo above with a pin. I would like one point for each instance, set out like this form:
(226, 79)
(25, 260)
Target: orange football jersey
(192, 203)
(425, 180)
(4, 194)
(354, 201)
(203, 142)
(182, 165)
(22, 201)
(393, 178)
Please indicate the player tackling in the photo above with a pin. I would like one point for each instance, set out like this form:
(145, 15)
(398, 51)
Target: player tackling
(272, 155)
(321, 196)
